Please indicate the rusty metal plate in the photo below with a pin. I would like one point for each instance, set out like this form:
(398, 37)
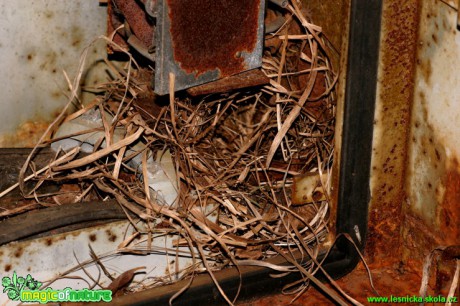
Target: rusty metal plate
(200, 41)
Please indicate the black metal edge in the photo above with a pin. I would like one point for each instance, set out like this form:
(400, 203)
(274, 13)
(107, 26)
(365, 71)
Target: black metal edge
(39, 221)
(358, 123)
(255, 282)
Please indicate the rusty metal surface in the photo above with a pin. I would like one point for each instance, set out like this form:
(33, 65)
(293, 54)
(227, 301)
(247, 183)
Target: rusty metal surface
(395, 280)
(433, 178)
(135, 15)
(140, 24)
(391, 127)
(202, 41)
(332, 16)
(113, 23)
(245, 79)
(415, 171)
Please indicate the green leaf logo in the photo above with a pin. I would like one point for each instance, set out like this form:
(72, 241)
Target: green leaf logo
(15, 285)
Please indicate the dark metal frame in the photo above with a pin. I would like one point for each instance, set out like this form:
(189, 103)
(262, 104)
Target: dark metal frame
(358, 126)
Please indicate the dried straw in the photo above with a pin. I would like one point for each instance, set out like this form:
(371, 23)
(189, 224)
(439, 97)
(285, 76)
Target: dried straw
(236, 153)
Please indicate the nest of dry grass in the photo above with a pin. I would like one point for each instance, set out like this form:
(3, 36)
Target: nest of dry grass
(235, 157)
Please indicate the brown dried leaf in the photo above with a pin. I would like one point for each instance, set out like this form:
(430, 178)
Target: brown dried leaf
(122, 281)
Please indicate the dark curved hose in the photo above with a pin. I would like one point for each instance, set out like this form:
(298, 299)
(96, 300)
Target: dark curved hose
(50, 218)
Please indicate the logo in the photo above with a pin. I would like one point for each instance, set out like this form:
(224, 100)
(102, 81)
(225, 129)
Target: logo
(27, 290)
(16, 285)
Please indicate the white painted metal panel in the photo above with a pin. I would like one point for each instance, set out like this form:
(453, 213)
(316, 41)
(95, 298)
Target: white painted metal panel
(47, 258)
(38, 40)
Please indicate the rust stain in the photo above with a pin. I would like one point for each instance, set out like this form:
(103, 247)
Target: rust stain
(445, 268)
(210, 34)
(425, 69)
(49, 14)
(434, 204)
(112, 24)
(452, 252)
(111, 236)
(7, 268)
(50, 60)
(341, 62)
(48, 241)
(421, 233)
(76, 36)
(26, 135)
(18, 253)
(419, 239)
(421, 236)
(449, 214)
(395, 279)
(396, 91)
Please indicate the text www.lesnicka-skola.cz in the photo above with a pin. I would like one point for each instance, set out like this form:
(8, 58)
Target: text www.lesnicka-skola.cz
(412, 299)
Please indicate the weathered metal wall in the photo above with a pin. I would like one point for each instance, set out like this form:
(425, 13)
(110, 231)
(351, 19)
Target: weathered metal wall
(415, 182)
(432, 209)
(398, 45)
(38, 40)
(333, 16)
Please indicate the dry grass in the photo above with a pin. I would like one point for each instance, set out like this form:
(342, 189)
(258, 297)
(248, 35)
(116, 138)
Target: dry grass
(236, 153)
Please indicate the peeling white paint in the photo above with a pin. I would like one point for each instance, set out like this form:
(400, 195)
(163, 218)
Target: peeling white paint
(39, 40)
(435, 127)
(441, 90)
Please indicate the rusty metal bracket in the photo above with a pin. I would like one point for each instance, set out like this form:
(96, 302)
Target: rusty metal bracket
(200, 41)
